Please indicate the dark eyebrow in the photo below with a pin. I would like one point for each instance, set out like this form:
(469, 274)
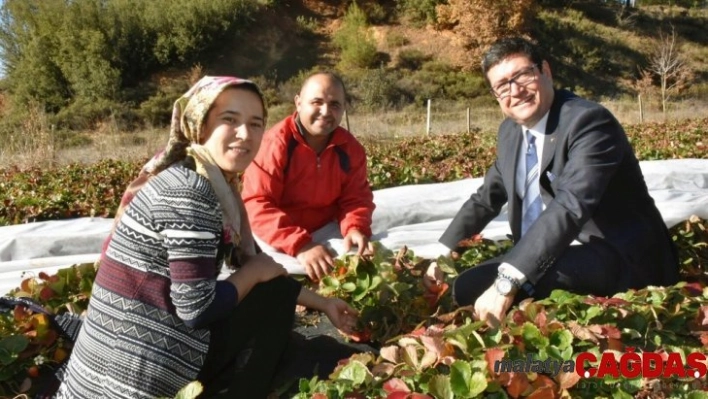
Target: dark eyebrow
(514, 76)
(236, 113)
(323, 100)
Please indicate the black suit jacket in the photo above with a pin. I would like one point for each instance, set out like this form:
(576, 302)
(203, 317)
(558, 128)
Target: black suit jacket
(593, 190)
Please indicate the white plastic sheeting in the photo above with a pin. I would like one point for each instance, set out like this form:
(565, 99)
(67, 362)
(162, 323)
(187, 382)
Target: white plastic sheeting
(414, 216)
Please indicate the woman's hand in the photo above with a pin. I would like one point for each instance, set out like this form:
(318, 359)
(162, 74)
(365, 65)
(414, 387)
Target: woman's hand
(342, 316)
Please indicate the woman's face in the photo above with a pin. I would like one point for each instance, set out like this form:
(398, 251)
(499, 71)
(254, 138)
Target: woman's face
(234, 129)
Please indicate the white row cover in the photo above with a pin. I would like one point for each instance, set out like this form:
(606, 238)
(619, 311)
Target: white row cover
(414, 216)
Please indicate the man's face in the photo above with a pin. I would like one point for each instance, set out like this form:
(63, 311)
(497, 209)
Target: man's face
(320, 105)
(524, 92)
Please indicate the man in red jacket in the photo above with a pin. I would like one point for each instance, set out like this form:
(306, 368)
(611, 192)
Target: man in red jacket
(310, 176)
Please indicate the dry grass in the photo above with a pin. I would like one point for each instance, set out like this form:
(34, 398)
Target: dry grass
(37, 145)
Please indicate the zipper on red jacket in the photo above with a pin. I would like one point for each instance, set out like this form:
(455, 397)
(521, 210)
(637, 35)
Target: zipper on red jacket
(318, 162)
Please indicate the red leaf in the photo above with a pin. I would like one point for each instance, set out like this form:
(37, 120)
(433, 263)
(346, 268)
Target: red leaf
(568, 380)
(518, 384)
(704, 339)
(605, 302)
(543, 393)
(417, 332)
(492, 356)
(541, 321)
(615, 344)
(20, 313)
(544, 381)
(395, 385)
(693, 289)
(518, 317)
(46, 294)
(611, 332)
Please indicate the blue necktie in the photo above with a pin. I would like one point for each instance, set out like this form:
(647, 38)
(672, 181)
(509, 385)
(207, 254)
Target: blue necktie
(532, 204)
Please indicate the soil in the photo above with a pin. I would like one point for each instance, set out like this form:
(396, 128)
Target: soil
(316, 348)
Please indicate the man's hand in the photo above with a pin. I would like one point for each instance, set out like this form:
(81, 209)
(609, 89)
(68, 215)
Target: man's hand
(316, 259)
(491, 306)
(356, 238)
(342, 316)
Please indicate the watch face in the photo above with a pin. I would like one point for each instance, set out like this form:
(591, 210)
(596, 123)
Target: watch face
(504, 286)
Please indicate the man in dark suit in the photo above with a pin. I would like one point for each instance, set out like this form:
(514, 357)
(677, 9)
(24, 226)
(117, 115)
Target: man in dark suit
(580, 212)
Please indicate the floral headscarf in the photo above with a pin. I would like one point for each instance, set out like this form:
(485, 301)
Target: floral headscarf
(188, 116)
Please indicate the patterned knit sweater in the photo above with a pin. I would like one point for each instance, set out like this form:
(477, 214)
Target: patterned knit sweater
(146, 331)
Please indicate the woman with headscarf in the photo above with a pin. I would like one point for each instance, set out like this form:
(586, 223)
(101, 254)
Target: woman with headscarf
(158, 317)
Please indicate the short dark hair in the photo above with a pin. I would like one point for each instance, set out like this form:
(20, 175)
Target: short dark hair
(331, 75)
(508, 46)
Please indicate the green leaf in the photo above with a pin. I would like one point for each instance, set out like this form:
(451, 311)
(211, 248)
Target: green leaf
(561, 339)
(632, 333)
(633, 385)
(592, 312)
(304, 385)
(190, 391)
(478, 384)
(567, 353)
(619, 393)
(330, 282)
(446, 265)
(697, 395)
(532, 335)
(348, 287)
(12, 346)
(460, 375)
(355, 372)
(375, 281)
(439, 386)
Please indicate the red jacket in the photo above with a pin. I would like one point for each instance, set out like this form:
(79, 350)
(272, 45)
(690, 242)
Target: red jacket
(285, 208)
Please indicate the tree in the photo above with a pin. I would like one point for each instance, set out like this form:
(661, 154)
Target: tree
(669, 66)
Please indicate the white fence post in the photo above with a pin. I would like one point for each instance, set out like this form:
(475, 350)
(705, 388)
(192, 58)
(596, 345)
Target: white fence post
(427, 126)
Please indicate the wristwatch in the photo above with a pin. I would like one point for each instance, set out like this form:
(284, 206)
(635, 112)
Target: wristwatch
(506, 285)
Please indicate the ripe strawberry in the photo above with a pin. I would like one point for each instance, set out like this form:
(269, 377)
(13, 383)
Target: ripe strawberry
(33, 372)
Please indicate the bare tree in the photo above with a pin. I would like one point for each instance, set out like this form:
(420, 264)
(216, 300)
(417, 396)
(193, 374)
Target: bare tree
(670, 67)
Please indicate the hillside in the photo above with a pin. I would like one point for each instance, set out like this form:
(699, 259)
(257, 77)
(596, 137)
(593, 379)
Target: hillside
(123, 63)
(602, 49)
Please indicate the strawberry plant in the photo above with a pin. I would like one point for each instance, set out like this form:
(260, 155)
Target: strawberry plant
(387, 290)
(30, 344)
(94, 190)
(455, 357)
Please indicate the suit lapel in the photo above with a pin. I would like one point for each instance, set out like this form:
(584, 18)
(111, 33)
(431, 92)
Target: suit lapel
(549, 148)
(549, 142)
(509, 176)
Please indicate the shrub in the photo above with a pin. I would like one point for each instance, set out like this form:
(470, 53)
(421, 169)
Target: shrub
(306, 26)
(412, 59)
(376, 89)
(358, 48)
(394, 39)
(419, 11)
(376, 13)
(87, 113)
